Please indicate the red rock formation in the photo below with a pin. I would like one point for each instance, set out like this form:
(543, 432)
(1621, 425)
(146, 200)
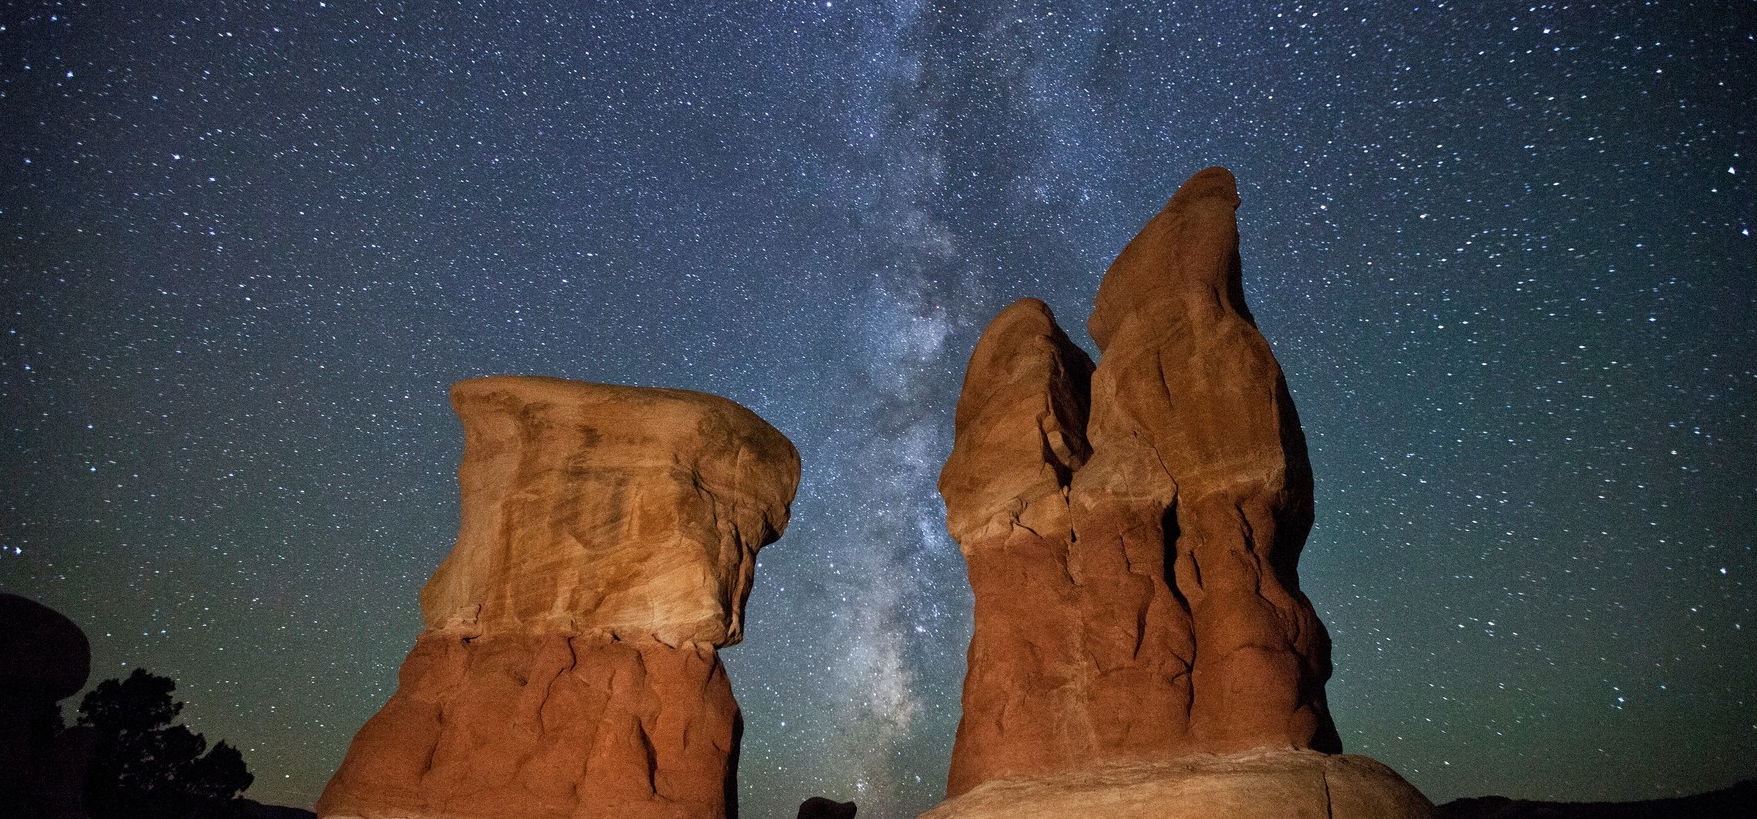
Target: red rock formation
(1256, 784)
(569, 665)
(1132, 529)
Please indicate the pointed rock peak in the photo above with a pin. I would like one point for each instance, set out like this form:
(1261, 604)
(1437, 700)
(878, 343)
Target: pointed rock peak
(1022, 415)
(1023, 342)
(1208, 183)
(1184, 262)
(1029, 313)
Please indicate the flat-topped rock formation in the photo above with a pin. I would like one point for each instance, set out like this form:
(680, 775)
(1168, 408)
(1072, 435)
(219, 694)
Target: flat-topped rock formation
(1132, 529)
(569, 663)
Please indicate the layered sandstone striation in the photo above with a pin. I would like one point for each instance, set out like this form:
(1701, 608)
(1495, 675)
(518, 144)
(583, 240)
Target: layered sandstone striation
(1284, 784)
(569, 663)
(1132, 528)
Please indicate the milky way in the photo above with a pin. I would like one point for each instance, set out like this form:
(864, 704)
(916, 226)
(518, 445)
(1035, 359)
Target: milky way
(1505, 261)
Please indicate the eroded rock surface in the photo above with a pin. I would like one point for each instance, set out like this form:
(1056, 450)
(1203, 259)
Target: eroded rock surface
(569, 664)
(1248, 785)
(1132, 529)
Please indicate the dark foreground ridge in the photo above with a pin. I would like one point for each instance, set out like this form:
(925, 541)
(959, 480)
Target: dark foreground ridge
(1738, 801)
(252, 809)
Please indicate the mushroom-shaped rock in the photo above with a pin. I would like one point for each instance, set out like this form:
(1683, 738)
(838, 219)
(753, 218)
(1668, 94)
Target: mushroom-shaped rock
(569, 664)
(44, 658)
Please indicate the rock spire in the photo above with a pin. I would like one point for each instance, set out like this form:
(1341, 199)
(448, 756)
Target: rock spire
(1132, 528)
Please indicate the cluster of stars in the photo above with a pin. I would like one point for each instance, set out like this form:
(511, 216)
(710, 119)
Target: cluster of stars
(1503, 258)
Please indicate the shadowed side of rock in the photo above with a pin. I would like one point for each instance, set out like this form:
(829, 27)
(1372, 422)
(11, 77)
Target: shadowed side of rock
(1132, 530)
(44, 658)
(569, 665)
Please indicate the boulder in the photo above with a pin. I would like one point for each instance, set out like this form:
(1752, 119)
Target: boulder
(1249, 785)
(819, 807)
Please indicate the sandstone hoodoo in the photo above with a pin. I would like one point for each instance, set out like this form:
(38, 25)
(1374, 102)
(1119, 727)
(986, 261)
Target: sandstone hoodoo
(569, 663)
(1132, 528)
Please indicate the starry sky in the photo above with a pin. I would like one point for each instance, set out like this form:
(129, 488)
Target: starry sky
(1504, 258)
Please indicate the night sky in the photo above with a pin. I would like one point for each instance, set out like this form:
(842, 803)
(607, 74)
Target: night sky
(1505, 261)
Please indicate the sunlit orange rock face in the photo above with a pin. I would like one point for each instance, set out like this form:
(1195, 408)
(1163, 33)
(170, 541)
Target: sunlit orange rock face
(569, 664)
(1132, 528)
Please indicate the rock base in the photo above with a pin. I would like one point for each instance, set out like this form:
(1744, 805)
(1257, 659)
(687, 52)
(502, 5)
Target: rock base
(546, 727)
(1289, 784)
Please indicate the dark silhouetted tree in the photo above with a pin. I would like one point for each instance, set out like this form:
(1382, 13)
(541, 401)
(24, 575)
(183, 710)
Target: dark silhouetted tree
(143, 766)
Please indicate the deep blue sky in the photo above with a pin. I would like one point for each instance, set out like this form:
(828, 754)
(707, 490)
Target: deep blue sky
(1505, 260)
